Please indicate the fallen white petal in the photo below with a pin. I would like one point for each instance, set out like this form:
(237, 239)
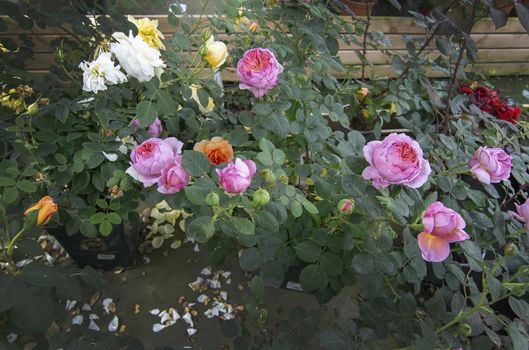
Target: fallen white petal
(70, 304)
(154, 312)
(24, 262)
(188, 319)
(11, 337)
(78, 319)
(226, 274)
(110, 156)
(206, 271)
(191, 331)
(114, 324)
(176, 315)
(93, 326)
(87, 307)
(224, 295)
(157, 327)
(146, 260)
(93, 317)
(202, 298)
(214, 284)
(196, 248)
(107, 301)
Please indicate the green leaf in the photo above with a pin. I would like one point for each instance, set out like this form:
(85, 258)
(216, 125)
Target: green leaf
(40, 275)
(61, 159)
(114, 218)
(312, 278)
(354, 185)
(166, 104)
(201, 229)
(363, 263)
(250, 259)
(266, 146)
(196, 194)
(278, 156)
(95, 160)
(34, 311)
(97, 218)
(146, 112)
(520, 308)
(196, 163)
(242, 225)
(88, 229)
(296, 209)
(26, 186)
(331, 264)
(6, 181)
(101, 203)
(10, 195)
(272, 273)
(308, 251)
(265, 158)
(105, 228)
(257, 288)
(9, 291)
(309, 207)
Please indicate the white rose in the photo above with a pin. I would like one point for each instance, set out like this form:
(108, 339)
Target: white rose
(100, 73)
(138, 59)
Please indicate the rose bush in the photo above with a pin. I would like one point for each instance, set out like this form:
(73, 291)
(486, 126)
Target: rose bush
(295, 169)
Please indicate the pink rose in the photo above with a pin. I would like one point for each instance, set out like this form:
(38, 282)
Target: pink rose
(491, 165)
(156, 128)
(173, 178)
(395, 160)
(258, 70)
(150, 157)
(442, 226)
(236, 177)
(522, 213)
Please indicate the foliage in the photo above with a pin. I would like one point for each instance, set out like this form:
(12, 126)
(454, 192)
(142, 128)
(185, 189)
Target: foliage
(307, 139)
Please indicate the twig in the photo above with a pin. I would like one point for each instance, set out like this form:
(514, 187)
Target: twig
(453, 78)
(364, 42)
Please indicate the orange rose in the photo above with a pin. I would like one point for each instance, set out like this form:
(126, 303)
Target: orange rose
(46, 207)
(217, 150)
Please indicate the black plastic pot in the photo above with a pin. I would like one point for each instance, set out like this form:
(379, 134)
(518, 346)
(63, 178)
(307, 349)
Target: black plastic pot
(116, 249)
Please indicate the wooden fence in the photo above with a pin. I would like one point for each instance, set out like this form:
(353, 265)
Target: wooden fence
(501, 52)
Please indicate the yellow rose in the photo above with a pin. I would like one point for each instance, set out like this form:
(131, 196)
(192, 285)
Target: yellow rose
(33, 108)
(362, 92)
(148, 31)
(46, 208)
(216, 53)
(194, 96)
(15, 103)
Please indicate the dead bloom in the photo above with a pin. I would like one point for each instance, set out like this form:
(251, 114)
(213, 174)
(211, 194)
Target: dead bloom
(217, 150)
(46, 207)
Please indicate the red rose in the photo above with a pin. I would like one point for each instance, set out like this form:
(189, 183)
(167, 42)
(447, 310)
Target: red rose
(510, 114)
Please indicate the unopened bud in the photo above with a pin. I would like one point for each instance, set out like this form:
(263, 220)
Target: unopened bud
(510, 249)
(203, 50)
(205, 35)
(253, 27)
(59, 55)
(33, 108)
(213, 199)
(283, 178)
(346, 206)
(269, 176)
(261, 197)
(464, 329)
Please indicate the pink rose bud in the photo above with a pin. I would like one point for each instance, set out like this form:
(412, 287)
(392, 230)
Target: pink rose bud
(258, 70)
(135, 124)
(442, 226)
(236, 177)
(156, 128)
(346, 206)
(490, 165)
(396, 160)
(522, 213)
(150, 157)
(173, 177)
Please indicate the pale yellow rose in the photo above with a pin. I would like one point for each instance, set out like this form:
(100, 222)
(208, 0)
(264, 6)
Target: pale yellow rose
(216, 52)
(148, 31)
(194, 96)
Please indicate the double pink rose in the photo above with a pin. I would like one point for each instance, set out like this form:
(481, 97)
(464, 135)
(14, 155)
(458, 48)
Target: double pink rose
(237, 176)
(522, 213)
(258, 70)
(173, 177)
(396, 160)
(490, 165)
(442, 226)
(154, 130)
(151, 157)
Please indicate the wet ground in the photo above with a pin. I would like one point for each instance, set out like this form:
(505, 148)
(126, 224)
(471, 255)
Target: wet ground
(164, 281)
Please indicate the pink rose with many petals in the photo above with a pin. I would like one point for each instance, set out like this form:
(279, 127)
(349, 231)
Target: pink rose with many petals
(258, 70)
(173, 177)
(522, 213)
(442, 226)
(236, 177)
(396, 160)
(150, 157)
(156, 128)
(491, 165)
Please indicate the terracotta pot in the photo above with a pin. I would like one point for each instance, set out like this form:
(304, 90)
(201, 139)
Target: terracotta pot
(360, 8)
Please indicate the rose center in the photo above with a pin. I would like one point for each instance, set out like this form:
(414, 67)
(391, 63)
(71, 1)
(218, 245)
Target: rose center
(147, 149)
(407, 153)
